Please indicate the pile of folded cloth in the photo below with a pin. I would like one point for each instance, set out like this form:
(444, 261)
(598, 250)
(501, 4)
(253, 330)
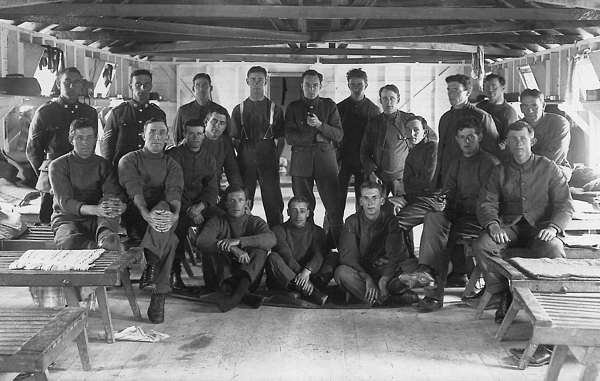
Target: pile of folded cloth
(57, 260)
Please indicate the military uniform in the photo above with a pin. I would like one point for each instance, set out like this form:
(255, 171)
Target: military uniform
(189, 111)
(49, 139)
(124, 130)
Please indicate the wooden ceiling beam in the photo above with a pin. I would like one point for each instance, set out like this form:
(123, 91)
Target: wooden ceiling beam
(299, 52)
(301, 12)
(306, 59)
(24, 3)
(427, 50)
(486, 38)
(586, 4)
(186, 46)
(173, 28)
(449, 30)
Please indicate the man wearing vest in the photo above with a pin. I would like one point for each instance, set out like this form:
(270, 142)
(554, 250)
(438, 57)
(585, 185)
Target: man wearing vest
(257, 130)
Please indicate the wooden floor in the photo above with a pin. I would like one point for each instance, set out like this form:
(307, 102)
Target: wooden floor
(274, 343)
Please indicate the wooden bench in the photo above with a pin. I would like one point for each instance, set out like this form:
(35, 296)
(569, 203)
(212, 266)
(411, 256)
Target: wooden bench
(35, 237)
(111, 269)
(31, 340)
(565, 321)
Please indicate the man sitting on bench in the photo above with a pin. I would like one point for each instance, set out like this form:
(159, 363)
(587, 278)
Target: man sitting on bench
(88, 200)
(298, 261)
(527, 203)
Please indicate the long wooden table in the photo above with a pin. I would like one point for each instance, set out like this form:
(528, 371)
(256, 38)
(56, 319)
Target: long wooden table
(31, 340)
(111, 269)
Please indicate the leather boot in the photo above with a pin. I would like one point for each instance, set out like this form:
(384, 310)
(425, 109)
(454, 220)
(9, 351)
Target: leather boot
(175, 280)
(156, 311)
(505, 301)
(147, 281)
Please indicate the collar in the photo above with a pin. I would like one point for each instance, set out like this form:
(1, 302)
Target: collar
(61, 101)
(187, 149)
(199, 106)
(311, 103)
(136, 104)
(146, 152)
(525, 166)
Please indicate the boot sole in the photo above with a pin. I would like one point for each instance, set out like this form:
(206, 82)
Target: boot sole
(151, 288)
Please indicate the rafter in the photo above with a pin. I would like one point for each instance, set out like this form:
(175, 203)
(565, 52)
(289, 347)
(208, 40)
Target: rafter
(301, 12)
(174, 28)
(587, 4)
(23, 3)
(402, 49)
(487, 38)
(448, 30)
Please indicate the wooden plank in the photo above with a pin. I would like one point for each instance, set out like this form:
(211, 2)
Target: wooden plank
(24, 3)
(301, 12)
(587, 4)
(532, 307)
(166, 27)
(454, 29)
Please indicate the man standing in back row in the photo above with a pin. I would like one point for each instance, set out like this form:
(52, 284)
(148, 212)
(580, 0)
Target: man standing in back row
(49, 132)
(199, 108)
(355, 112)
(124, 129)
(313, 129)
(257, 130)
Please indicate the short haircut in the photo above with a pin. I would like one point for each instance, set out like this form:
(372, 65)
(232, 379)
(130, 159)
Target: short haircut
(235, 188)
(135, 73)
(356, 73)
(390, 87)
(468, 122)
(214, 111)
(491, 77)
(312, 73)
(79, 123)
(420, 119)
(521, 125)
(462, 79)
(535, 93)
(298, 199)
(193, 123)
(257, 69)
(66, 70)
(202, 75)
(155, 120)
(371, 185)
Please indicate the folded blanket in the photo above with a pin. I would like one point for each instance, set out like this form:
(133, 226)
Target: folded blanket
(558, 269)
(57, 260)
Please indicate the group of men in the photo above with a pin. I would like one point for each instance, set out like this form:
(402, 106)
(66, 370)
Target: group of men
(485, 174)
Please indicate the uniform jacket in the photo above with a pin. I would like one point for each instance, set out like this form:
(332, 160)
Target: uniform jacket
(420, 167)
(535, 190)
(553, 135)
(124, 129)
(199, 176)
(49, 135)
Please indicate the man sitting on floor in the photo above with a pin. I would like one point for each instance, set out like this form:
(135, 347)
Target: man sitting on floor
(236, 246)
(88, 200)
(154, 183)
(200, 190)
(527, 203)
(373, 254)
(441, 230)
(298, 261)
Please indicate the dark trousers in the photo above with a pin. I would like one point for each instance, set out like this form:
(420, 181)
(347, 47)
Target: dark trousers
(279, 274)
(223, 266)
(270, 188)
(346, 172)
(520, 235)
(441, 232)
(395, 187)
(159, 248)
(350, 280)
(46, 207)
(329, 190)
(82, 233)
